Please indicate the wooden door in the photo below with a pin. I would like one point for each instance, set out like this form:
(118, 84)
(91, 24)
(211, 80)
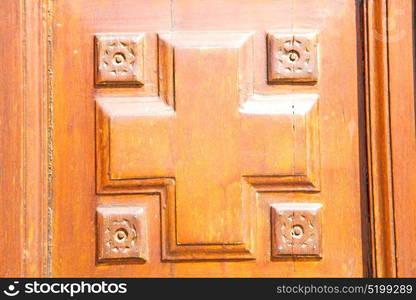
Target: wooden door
(208, 138)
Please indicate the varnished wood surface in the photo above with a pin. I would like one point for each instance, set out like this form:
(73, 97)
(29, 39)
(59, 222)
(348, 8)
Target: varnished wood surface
(379, 139)
(344, 250)
(37, 150)
(23, 151)
(11, 141)
(72, 197)
(402, 104)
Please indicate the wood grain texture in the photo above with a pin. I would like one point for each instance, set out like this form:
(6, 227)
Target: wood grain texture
(379, 140)
(338, 136)
(401, 49)
(73, 198)
(23, 140)
(37, 166)
(77, 121)
(11, 126)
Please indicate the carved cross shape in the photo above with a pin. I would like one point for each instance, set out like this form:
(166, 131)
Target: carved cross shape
(207, 143)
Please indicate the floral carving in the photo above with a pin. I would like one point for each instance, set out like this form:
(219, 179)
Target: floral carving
(121, 232)
(120, 237)
(119, 59)
(296, 230)
(292, 57)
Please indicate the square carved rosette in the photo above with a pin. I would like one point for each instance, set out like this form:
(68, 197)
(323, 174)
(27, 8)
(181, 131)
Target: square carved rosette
(296, 230)
(119, 59)
(122, 233)
(292, 57)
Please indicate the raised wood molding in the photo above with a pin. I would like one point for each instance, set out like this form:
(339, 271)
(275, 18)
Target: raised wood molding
(23, 238)
(379, 139)
(401, 20)
(36, 138)
(120, 122)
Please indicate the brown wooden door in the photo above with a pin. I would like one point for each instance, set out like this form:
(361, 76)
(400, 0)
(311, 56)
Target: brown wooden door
(208, 138)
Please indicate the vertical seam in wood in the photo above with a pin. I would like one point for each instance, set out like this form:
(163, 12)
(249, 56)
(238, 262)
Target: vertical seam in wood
(50, 137)
(389, 137)
(389, 197)
(292, 91)
(24, 137)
